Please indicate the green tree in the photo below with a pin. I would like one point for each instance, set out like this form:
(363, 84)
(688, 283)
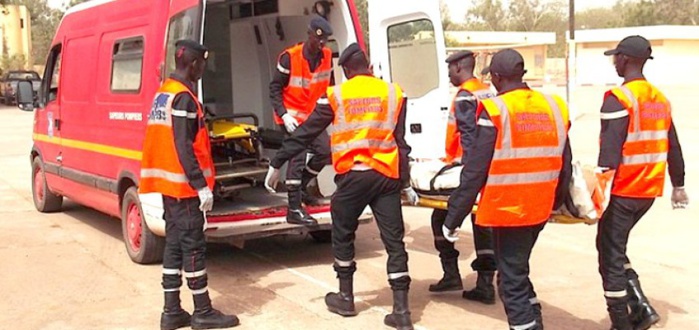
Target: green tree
(486, 15)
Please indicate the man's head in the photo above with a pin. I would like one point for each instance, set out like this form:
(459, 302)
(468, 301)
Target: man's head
(461, 66)
(354, 61)
(318, 32)
(190, 58)
(631, 54)
(506, 67)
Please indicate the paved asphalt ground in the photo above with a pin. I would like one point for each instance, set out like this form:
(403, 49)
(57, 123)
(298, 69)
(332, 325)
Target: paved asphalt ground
(69, 270)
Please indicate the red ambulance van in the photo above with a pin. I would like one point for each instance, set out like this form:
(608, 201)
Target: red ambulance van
(108, 58)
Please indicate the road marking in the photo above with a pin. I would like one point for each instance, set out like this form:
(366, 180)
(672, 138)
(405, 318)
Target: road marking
(324, 285)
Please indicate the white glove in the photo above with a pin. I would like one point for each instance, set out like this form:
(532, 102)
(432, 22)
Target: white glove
(206, 199)
(679, 198)
(410, 195)
(450, 235)
(290, 123)
(272, 179)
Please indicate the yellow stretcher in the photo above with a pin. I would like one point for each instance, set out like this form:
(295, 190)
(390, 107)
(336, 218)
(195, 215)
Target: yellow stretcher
(555, 218)
(224, 129)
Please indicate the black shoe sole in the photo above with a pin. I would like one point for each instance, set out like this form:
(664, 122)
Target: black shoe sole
(344, 313)
(447, 289)
(479, 299)
(215, 326)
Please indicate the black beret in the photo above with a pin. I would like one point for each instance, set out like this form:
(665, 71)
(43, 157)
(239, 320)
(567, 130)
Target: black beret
(507, 63)
(458, 56)
(320, 27)
(350, 51)
(194, 47)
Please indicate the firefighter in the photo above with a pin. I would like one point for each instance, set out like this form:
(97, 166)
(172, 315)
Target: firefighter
(520, 161)
(303, 73)
(365, 117)
(177, 163)
(638, 140)
(461, 129)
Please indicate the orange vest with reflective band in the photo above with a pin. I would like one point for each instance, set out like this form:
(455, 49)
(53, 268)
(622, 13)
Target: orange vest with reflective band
(521, 186)
(366, 114)
(305, 87)
(161, 170)
(641, 173)
(453, 148)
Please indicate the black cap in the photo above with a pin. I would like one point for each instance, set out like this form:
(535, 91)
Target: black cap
(350, 51)
(634, 46)
(458, 56)
(320, 27)
(193, 46)
(507, 63)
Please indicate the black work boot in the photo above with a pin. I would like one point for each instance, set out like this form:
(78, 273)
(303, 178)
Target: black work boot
(451, 281)
(643, 315)
(484, 291)
(400, 318)
(619, 314)
(342, 302)
(296, 214)
(173, 316)
(206, 317)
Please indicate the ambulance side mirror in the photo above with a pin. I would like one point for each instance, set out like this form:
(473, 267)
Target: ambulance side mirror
(25, 96)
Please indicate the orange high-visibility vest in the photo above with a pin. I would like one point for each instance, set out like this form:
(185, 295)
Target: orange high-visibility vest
(366, 114)
(161, 170)
(641, 172)
(453, 148)
(521, 185)
(305, 87)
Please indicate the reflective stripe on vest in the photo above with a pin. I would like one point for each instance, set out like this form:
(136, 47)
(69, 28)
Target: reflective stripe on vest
(362, 130)
(452, 145)
(641, 173)
(527, 160)
(304, 87)
(509, 152)
(161, 170)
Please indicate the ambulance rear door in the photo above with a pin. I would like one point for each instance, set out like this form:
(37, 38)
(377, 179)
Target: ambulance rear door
(407, 47)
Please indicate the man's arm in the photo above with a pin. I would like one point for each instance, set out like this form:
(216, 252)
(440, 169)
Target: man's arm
(465, 110)
(403, 147)
(280, 80)
(474, 173)
(675, 160)
(614, 129)
(317, 122)
(185, 126)
(563, 188)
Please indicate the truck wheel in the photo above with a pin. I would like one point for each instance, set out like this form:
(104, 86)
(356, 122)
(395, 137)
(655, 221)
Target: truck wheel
(45, 201)
(142, 245)
(322, 236)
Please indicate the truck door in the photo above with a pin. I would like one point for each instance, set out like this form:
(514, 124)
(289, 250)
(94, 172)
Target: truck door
(185, 22)
(47, 123)
(407, 47)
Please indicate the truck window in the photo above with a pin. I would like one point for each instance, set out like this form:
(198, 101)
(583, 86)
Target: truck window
(127, 65)
(52, 74)
(182, 26)
(412, 52)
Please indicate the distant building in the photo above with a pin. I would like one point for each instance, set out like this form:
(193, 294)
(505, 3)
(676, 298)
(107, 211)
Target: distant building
(532, 45)
(675, 49)
(15, 32)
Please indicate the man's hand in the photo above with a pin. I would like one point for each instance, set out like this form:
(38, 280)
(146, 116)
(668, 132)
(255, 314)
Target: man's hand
(206, 199)
(272, 179)
(450, 235)
(410, 195)
(679, 198)
(290, 123)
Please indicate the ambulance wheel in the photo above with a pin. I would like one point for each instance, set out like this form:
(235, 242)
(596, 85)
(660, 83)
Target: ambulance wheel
(142, 245)
(45, 201)
(322, 236)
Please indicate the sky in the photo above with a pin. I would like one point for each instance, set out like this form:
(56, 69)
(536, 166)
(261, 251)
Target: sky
(458, 8)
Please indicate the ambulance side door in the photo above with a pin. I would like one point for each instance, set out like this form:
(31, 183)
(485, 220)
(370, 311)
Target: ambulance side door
(407, 47)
